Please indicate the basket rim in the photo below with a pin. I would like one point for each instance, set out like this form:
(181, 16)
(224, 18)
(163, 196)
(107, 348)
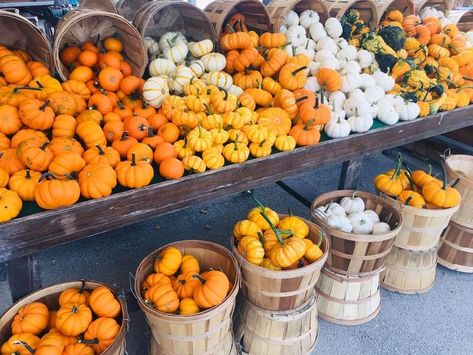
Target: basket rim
(318, 201)
(448, 165)
(191, 317)
(284, 274)
(424, 212)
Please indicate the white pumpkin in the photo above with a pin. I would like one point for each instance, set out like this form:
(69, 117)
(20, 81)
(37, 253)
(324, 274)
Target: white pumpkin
(337, 127)
(312, 84)
(384, 80)
(169, 39)
(283, 29)
(371, 215)
(154, 91)
(180, 77)
(161, 66)
(350, 82)
(341, 42)
(387, 114)
(333, 27)
(360, 223)
(381, 228)
(151, 45)
(357, 105)
(309, 52)
(360, 124)
(292, 19)
(235, 90)
(364, 58)
(296, 35)
(197, 67)
(352, 204)
(201, 48)
(328, 44)
(336, 100)
(351, 67)
(317, 31)
(347, 54)
(374, 93)
(323, 54)
(177, 53)
(367, 81)
(214, 62)
(333, 63)
(388, 99)
(220, 79)
(314, 68)
(309, 43)
(308, 18)
(357, 94)
(339, 222)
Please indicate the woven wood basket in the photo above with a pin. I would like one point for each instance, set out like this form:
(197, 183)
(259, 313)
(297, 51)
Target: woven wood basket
(456, 249)
(263, 332)
(50, 297)
(226, 347)
(410, 272)
(256, 14)
(367, 8)
(348, 300)
(279, 9)
(20, 33)
(129, 8)
(99, 5)
(461, 167)
(422, 227)
(158, 17)
(444, 5)
(83, 25)
(383, 6)
(356, 254)
(198, 333)
(463, 18)
(282, 290)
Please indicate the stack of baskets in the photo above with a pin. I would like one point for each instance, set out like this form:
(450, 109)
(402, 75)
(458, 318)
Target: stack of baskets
(208, 332)
(277, 312)
(348, 291)
(456, 248)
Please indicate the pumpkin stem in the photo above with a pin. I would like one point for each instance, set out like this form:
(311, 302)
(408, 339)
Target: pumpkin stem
(430, 169)
(261, 238)
(124, 136)
(44, 145)
(444, 176)
(298, 70)
(328, 207)
(133, 159)
(25, 345)
(408, 200)
(100, 149)
(143, 127)
(455, 182)
(82, 287)
(46, 103)
(28, 174)
(230, 27)
(74, 309)
(235, 144)
(308, 124)
(201, 279)
(48, 176)
(39, 84)
(89, 341)
(120, 105)
(19, 88)
(293, 51)
(289, 211)
(299, 99)
(150, 132)
(397, 171)
(321, 238)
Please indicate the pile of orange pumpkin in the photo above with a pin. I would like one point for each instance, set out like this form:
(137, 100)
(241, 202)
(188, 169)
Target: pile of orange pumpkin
(276, 242)
(179, 286)
(85, 323)
(418, 189)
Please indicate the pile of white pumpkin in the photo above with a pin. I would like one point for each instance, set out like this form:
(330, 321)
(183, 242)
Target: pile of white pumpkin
(350, 216)
(362, 96)
(177, 61)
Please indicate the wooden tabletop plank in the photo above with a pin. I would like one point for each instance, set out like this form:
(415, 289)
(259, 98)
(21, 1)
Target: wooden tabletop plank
(37, 232)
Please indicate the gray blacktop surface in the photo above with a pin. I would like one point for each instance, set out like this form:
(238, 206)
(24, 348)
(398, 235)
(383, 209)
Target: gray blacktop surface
(439, 322)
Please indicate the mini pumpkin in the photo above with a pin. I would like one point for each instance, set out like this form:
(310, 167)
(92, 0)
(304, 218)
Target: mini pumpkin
(104, 303)
(168, 261)
(97, 180)
(133, 173)
(101, 333)
(213, 289)
(163, 298)
(10, 204)
(32, 318)
(52, 193)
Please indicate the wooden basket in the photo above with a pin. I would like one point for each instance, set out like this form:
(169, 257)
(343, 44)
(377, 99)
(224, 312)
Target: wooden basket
(422, 227)
(409, 272)
(198, 333)
(282, 290)
(22, 34)
(265, 332)
(456, 249)
(367, 9)
(463, 18)
(256, 14)
(279, 9)
(443, 5)
(383, 6)
(158, 17)
(226, 347)
(83, 25)
(461, 167)
(356, 254)
(129, 8)
(348, 300)
(50, 297)
(100, 5)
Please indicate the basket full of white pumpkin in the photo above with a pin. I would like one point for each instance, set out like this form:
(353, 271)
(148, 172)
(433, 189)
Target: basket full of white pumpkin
(361, 227)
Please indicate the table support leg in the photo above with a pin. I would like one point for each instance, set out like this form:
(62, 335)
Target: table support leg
(23, 276)
(351, 170)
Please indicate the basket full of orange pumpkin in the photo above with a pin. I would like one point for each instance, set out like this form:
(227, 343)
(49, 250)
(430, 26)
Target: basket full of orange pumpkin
(427, 203)
(280, 257)
(81, 317)
(180, 288)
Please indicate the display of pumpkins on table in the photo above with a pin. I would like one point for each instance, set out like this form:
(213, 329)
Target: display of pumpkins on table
(275, 242)
(418, 189)
(178, 285)
(84, 323)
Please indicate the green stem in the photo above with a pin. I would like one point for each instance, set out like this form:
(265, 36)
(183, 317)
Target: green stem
(265, 216)
(444, 175)
(408, 200)
(261, 238)
(321, 238)
(201, 279)
(397, 171)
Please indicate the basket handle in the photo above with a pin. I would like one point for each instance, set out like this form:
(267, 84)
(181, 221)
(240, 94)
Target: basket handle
(447, 152)
(127, 319)
(317, 213)
(131, 282)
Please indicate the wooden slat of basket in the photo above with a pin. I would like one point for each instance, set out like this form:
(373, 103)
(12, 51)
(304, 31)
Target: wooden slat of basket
(456, 249)
(367, 9)
(461, 167)
(383, 6)
(129, 8)
(279, 9)
(463, 18)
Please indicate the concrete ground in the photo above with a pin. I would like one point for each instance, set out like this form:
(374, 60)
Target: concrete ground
(438, 322)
